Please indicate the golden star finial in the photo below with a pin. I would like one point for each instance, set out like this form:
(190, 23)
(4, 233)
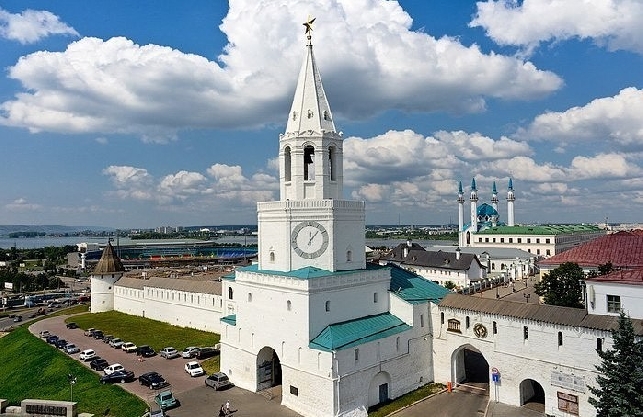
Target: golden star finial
(309, 25)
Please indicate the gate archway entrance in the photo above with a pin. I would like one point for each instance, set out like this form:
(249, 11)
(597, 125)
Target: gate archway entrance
(268, 369)
(469, 366)
(532, 395)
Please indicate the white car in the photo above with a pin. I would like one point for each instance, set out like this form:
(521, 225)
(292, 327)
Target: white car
(71, 348)
(169, 353)
(87, 354)
(189, 352)
(194, 368)
(113, 368)
(128, 347)
(45, 334)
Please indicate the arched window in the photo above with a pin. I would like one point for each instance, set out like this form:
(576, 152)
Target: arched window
(309, 163)
(349, 256)
(230, 293)
(287, 163)
(327, 305)
(272, 256)
(288, 305)
(332, 160)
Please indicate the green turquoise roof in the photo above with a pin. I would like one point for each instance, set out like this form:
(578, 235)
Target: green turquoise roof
(309, 272)
(357, 332)
(540, 230)
(414, 289)
(231, 319)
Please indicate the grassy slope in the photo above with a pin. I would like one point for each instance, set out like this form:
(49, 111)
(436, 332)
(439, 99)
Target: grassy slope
(33, 369)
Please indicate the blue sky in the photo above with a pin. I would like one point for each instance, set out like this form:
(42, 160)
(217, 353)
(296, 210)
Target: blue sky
(147, 113)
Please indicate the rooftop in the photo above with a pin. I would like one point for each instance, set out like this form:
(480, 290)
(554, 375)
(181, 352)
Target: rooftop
(622, 276)
(541, 229)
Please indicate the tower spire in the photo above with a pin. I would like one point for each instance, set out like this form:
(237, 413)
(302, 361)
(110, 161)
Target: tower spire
(474, 205)
(460, 214)
(511, 197)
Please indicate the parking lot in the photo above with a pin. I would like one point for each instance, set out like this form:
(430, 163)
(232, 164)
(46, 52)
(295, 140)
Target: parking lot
(194, 396)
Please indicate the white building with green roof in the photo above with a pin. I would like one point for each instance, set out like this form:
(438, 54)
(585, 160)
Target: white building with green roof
(339, 335)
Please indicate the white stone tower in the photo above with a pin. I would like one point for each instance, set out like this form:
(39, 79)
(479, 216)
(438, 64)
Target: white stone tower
(461, 239)
(311, 225)
(510, 204)
(474, 206)
(108, 270)
(494, 203)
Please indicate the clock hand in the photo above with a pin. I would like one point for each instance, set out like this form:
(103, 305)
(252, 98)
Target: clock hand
(312, 237)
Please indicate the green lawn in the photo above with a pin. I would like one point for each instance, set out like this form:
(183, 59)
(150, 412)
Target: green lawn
(405, 400)
(144, 331)
(31, 368)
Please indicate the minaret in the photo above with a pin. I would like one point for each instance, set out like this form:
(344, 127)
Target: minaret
(460, 214)
(510, 204)
(311, 224)
(474, 206)
(494, 203)
(108, 270)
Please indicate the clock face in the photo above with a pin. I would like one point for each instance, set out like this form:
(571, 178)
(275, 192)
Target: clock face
(309, 239)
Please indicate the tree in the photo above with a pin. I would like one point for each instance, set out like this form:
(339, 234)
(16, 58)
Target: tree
(562, 286)
(620, 375)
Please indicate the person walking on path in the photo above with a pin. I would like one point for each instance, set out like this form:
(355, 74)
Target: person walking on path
(222, 412)
(227, 407)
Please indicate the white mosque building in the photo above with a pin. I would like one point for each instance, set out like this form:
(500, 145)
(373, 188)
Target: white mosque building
(341, 335)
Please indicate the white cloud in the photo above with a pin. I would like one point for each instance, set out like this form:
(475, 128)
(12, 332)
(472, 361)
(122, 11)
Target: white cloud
(30, 26)
(603, 166)
(181, 183)
(616, 118)
(370, 59)
(22, 204)
(616, 23)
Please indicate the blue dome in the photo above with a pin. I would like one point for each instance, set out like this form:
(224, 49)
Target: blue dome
(485, 210)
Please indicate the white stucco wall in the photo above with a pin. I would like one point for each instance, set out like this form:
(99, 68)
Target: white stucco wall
(631, 298)
(102, 290)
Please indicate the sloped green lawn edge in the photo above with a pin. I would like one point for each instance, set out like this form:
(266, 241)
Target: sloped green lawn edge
(31, 368)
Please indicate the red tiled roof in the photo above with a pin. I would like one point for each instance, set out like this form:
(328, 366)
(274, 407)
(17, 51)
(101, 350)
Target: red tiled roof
(624, 276)
(622, 249)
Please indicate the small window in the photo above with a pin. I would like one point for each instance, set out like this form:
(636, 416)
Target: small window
(453, 325)
(349, 256)
(519, 240)
(599, 344)
(397, 344)
(375, 297)
(356, 355)
(272, 257)
(548, 252)
(560, 339)
(441, 318)
(249, 297)
(502, 240)
(511, 240)
(547, 240)
(537, 240)
(528, 240)
(421, 320)
(495, 328)
(294, 391)
(288, 305)
(486, 239)
(525, 332)
(327, 305)
(480, 239)
(613, 303)
(468, 322)
(230, 294)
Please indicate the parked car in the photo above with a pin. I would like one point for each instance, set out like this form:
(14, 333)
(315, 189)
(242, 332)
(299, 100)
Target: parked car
(51, 339)
(98, 334)
(156, 412)
(189, 352)
(44, 334)
(118, 376)
(165, 400)
(145, 351)
(169, 353)
(153, 380)
(194, 368)
(113, 368)
(98, 364)
(87, 354)
(72, 325)
(218, 381)
(89, 332)
(116, 343)
(128, 347)
(61, 343)
(71, 349)
(108, 338)
(206, 352)
(17, 319)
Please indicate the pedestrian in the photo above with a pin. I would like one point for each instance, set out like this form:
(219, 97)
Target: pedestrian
(227, 407)
(222, 411)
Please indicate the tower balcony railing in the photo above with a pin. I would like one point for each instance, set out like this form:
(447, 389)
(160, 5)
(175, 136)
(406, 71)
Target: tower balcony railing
(317, 204)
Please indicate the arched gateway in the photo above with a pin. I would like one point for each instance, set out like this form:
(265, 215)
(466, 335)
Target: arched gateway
(268, 369)
(532, 395)
(468, 365)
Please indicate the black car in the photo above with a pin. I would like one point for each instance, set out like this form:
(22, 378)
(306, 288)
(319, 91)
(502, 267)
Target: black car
(52, 339)
(98, 363)
(17, 319)
(154, 380)
(118, 376)
(98, 334)
(72, 325)
(206, 352)
(61, 343)
(145, 351)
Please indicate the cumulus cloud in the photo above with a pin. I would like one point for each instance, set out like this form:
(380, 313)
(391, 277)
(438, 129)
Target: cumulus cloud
(31, 26)
(618, 24)
(370, 59)
(603, 166)
(615, 118)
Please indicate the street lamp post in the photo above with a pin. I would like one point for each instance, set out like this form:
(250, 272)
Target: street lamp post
(72, 381)
(527, 297)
